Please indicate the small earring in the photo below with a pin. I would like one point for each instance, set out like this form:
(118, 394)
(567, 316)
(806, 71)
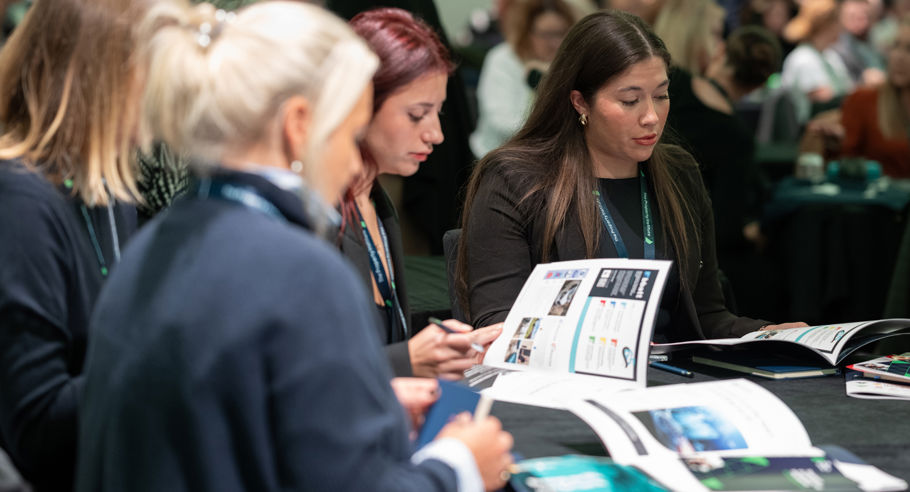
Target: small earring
(583, 119)
(296, 166)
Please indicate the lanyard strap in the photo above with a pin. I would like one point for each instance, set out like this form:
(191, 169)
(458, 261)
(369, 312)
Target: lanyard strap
(386, 285)
(215, 188)
(646, 222)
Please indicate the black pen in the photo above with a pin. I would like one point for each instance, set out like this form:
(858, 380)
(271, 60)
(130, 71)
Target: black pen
(675, 370)
(438, 322)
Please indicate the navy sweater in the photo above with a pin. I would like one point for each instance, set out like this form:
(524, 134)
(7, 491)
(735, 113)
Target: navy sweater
(233, 350)
(50, 276)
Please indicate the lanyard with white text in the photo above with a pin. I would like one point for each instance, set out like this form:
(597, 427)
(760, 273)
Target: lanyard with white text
(385, 285)
(215, 188)
(647, 224)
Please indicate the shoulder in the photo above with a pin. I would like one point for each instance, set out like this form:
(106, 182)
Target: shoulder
(705, 91)
(862, 96)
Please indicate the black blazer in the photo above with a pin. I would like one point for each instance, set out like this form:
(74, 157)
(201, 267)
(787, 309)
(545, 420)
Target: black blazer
(355, 250)
(505, 242)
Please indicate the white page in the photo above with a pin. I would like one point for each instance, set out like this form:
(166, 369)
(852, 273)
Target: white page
(729, 418)
(827, 340)
(552, 389)
(586, 316)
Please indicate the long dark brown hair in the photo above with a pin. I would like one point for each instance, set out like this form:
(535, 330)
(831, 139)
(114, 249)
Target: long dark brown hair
(548, 157)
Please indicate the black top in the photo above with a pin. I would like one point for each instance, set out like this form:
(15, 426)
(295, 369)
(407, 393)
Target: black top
(504, 241)
(236, 351)
(49, 279)
(623, 199)
(724, 148)
(354, 249)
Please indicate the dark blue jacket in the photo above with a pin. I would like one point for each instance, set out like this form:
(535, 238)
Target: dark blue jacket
(233, 350)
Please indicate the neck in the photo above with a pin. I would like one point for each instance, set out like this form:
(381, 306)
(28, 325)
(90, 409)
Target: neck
(819, 44)
(615, 170)
(257, 155)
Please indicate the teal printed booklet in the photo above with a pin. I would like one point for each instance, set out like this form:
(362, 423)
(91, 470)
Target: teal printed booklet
(575, 473)
(576, 327)
(822, 344)
(697, 436)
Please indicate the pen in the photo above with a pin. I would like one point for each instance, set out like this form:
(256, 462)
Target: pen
(675, 370)
(482, 410)
(437, 322)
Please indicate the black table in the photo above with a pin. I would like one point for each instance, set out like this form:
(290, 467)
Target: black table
(875, 430)
(834, 253)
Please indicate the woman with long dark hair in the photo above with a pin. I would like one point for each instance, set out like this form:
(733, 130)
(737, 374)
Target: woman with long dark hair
(590, 158)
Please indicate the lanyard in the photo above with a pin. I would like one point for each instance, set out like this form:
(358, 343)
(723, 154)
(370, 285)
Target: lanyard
(214, 188)
(385, 285)
(646, 222)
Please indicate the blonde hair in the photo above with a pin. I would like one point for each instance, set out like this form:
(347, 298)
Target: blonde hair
(892, 119)
(217, 80)
(685, 27)
(67, 80)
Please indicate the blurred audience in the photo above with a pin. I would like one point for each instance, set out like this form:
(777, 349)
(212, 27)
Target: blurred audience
(865, 65)
(813, 68)
(884, 31)
(873, 122)
(773, 15)
(511, 71)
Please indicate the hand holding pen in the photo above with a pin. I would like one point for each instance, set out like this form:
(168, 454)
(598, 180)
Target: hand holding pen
(436, 321)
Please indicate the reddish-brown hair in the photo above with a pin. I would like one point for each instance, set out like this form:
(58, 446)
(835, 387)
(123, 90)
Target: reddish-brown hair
(408, 48)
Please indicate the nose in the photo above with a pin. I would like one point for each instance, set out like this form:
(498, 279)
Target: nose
(433, 135)
(649, 117)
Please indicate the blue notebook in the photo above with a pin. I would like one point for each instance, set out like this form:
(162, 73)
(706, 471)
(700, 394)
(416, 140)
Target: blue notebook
(453, 399)
(766, 367)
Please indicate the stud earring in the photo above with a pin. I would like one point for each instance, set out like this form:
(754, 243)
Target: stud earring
(296, 166)
(583, 119)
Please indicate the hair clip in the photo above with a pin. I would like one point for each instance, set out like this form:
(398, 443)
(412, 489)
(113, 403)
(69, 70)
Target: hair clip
(206, 33)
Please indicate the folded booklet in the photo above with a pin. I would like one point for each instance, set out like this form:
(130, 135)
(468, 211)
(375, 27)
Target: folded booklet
(720, 435)
(576, 325)
(823, 344)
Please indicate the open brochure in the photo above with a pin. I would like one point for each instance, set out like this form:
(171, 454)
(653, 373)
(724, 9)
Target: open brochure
(576, 324)
(680, 435)
(861, 386)
(828, 343)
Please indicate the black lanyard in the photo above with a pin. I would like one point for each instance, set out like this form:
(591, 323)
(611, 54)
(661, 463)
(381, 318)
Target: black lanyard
(647, 224)
(248, 197)
(386, 285)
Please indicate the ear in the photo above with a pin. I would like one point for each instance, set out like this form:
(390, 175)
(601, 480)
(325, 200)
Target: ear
(295, 128)
(578, 101)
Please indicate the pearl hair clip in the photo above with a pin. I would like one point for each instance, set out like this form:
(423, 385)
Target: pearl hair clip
(206, 33)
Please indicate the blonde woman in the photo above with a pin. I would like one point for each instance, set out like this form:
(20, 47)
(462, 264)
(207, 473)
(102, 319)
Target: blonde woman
(234, 349)
(693, 32)
(813, 68)
(68, 109)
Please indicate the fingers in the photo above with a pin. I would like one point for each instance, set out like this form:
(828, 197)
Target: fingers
(485, 336)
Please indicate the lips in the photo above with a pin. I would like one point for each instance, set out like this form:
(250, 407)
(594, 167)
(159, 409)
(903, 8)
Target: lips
(646, 140)
(420, 156)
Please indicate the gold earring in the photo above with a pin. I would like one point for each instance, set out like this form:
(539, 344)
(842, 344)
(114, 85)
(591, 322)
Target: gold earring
(583, 119)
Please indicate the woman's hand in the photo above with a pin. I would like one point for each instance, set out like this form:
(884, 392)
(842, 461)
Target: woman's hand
(416, 395)
(784, 326)
(485, 337)
(435, 353)
(489, 444)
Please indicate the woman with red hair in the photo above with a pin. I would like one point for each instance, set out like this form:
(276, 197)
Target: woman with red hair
(409, 90)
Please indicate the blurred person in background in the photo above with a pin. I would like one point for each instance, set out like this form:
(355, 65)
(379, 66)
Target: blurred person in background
(865, 65)
(511, 71)
(814, 70)
(772, 15)
(873, 122)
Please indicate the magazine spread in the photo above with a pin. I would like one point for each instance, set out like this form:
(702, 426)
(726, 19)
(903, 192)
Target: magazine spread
(830, 342)
(584, 323)
(671, 431)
